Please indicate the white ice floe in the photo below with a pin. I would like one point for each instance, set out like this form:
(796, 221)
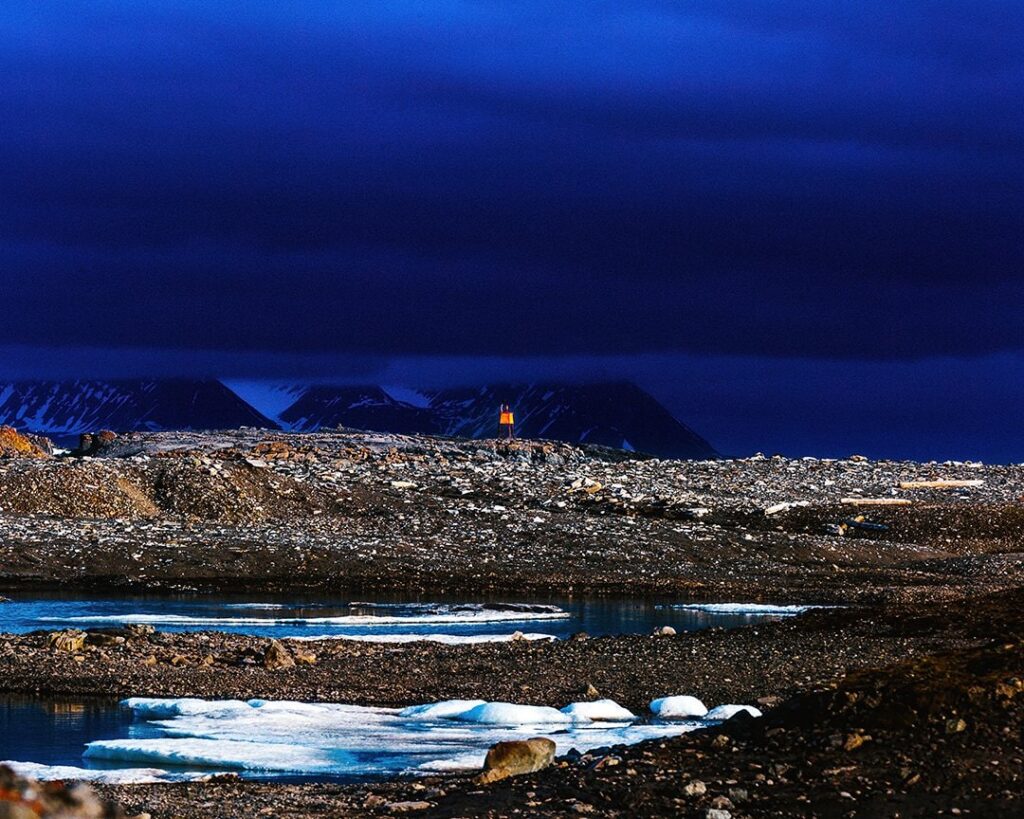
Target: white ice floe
(729, 711)
(678, 707)
(747, 609)
(448, 617)
(598, 710)
(445, 639)
(116, 776)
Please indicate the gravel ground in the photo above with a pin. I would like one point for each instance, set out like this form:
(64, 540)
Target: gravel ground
(873, 696)
(252, 510)
(718, 665)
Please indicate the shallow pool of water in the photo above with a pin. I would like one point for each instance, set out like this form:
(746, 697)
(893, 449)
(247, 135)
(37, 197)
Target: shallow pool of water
(378, 617)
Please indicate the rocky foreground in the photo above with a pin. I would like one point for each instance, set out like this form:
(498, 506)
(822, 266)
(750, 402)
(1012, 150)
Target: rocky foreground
(255, 510)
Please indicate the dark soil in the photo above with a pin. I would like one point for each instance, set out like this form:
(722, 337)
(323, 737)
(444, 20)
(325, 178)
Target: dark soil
(934, 734)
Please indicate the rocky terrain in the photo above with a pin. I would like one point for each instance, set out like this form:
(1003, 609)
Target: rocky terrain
(931, 733)
(905, 702)
(252, 509)
(722, 665)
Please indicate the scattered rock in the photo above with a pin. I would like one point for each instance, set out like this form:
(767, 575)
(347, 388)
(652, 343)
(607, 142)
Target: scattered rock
(854, 741)
(277, 656)
(955, 726)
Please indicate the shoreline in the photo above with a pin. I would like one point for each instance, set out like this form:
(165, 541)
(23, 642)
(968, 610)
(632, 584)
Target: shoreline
(930, 660)
(757, 660)
(858, 699)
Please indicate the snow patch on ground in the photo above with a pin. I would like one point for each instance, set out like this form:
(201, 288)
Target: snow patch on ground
(599, 710)
(678, 707)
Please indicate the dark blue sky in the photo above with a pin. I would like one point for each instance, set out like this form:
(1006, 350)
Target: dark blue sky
(799, 223)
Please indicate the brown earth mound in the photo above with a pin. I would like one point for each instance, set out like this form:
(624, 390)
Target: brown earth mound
(15, 445)
(178, 487)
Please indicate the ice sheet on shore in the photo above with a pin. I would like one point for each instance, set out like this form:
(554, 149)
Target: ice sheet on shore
(265, 737)
(746, 609)
(513, 715)
(449, 617)
(445, 639)
(194, 737)
(445, 709)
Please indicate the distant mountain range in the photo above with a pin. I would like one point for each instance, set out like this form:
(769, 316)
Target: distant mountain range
(615, 414)
(70, 407)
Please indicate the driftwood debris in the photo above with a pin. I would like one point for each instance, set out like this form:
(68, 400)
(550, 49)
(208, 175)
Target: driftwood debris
(940, 484)
(876, 501)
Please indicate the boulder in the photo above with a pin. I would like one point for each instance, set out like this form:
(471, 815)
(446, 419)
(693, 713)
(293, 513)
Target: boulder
(91, 443)
(521, 756)
(277, 656)
(664, 631)
(44, 444)
(71, 640)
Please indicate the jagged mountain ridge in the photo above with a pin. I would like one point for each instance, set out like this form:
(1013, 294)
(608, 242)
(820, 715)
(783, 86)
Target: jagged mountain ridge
(71, 407)
(617, 414)
(367, 407)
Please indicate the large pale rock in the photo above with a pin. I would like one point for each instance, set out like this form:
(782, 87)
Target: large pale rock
(517, 757)
(71, 640)
(277, 656)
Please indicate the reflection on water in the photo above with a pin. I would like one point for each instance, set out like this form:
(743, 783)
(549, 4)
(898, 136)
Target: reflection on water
(56, 731)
